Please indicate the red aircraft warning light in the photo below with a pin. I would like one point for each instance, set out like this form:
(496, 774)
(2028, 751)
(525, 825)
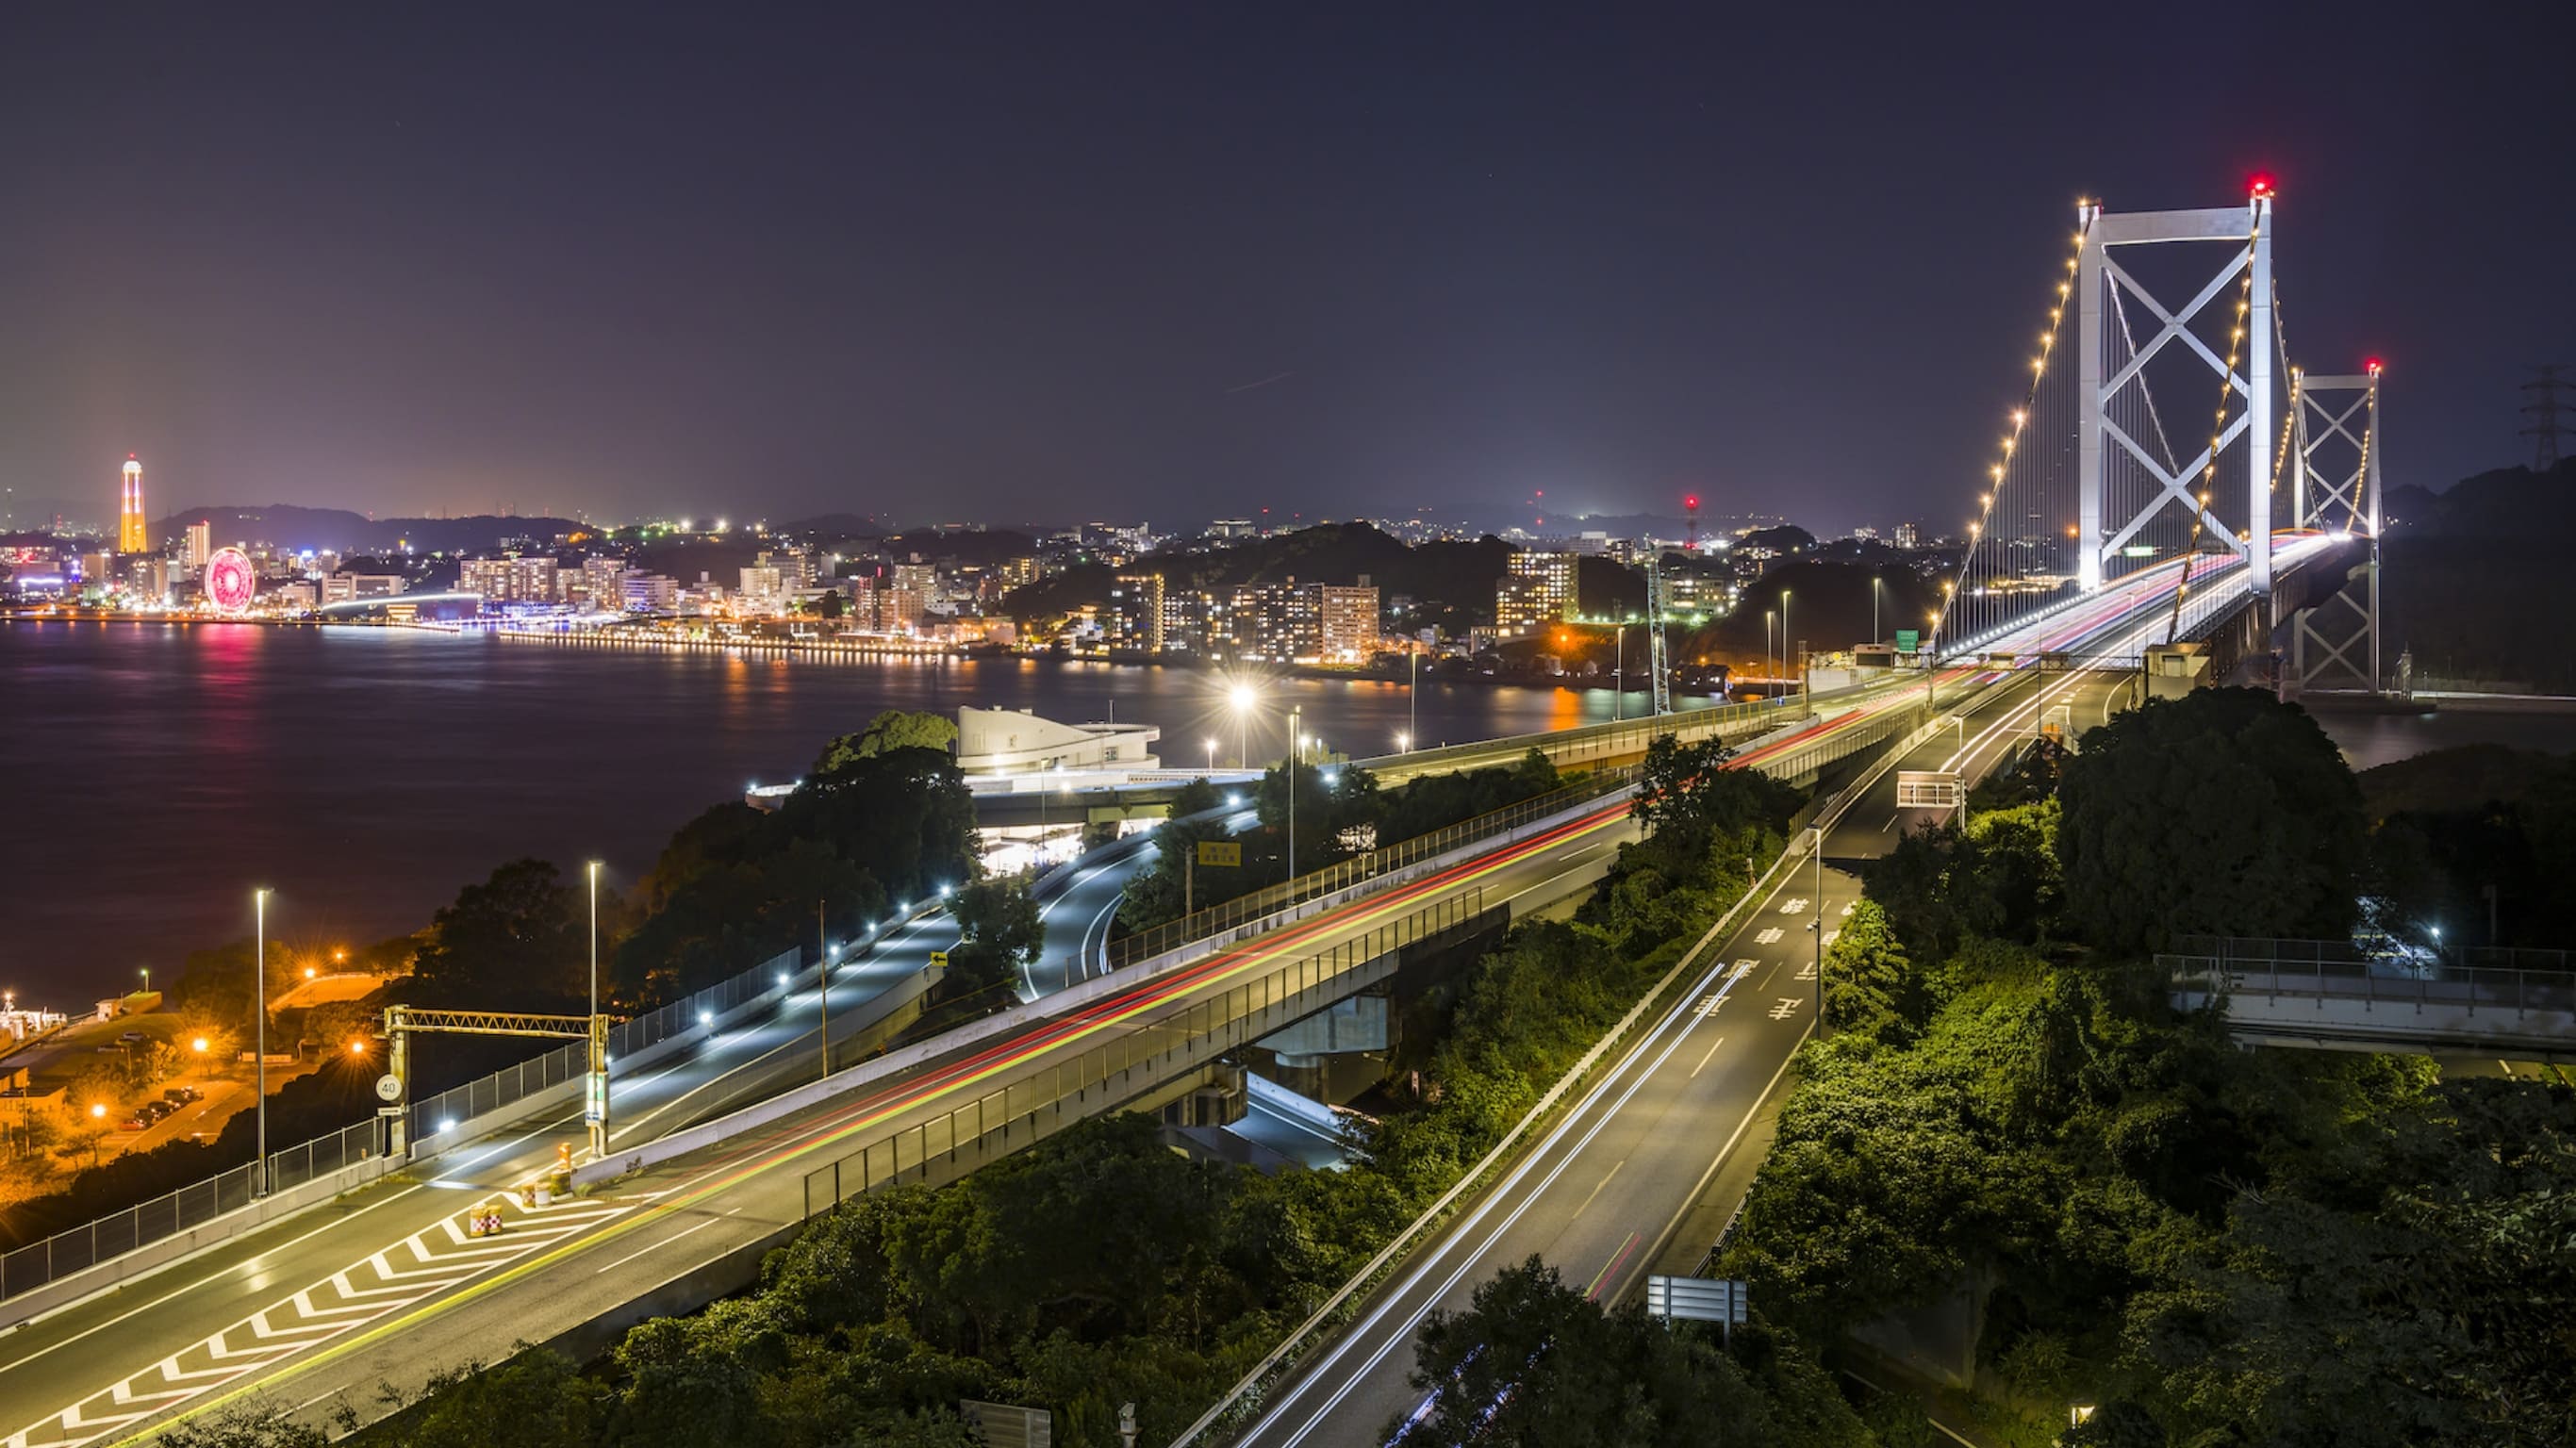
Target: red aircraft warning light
(2262, 184)
(2374, 365)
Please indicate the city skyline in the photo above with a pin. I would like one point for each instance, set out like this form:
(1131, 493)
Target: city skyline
(427, 272)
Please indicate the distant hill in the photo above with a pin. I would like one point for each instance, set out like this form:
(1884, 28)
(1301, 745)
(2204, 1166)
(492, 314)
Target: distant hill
(2465, 777)
(2475, 579)
(289, 526)
(2503, 503)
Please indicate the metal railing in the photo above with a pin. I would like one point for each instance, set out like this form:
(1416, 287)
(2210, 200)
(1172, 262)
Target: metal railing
(2469, 987)
(1885, 725)
(1620, 736)
(998, 1122)
(2247, 950)
(172, 1213)
(1271, 899)
(445, 1110)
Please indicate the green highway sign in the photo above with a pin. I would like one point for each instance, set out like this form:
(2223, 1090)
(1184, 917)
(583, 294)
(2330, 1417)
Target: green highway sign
(1908, 640)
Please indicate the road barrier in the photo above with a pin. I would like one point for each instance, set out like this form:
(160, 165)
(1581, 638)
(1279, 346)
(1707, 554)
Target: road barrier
(191, 1207)
(1023, 1112)
(1359, 869)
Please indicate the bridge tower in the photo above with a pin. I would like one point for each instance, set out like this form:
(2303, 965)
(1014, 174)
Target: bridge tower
(2106, 405)
(2337, 642)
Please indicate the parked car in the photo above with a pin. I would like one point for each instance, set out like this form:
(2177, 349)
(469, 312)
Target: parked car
(136, 1123)
(182, 1095)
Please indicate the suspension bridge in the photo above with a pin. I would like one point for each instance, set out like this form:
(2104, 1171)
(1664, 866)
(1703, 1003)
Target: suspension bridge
(2173, 479)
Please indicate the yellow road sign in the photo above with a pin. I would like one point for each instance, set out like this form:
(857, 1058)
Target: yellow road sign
(1214, 852)
(939, 959)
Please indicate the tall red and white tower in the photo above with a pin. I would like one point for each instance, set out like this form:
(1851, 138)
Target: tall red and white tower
(131, 536)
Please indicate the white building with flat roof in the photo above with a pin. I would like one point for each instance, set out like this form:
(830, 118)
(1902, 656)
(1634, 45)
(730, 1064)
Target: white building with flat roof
(1015, 741)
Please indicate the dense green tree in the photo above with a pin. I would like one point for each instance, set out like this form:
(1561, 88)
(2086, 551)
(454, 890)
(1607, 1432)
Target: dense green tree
(513, 942)
(891, 730)
(1533, 1362)
(999, 934)
(1868, 979)
(2225, 812)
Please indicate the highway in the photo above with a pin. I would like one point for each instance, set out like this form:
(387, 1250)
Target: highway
(1602, 1190)
(388, 1285)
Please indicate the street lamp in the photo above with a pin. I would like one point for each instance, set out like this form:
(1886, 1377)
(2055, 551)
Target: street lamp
(1768, 615)
(1242, 697)
(1403, 741)
(146, 972)
(1619, 672)
(259, 1068)
(1211, 747)
(1784, 631)
(1875, 584)
(1412, 676)
(1817, 837)
(1296, 751)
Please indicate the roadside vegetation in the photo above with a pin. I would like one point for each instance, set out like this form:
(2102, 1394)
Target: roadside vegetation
(1101, 1267)
(2179, 1240)
(884, 818)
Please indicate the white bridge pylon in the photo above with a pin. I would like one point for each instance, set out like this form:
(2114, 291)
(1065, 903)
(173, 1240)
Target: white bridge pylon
(2338, 640)
(2105, 234)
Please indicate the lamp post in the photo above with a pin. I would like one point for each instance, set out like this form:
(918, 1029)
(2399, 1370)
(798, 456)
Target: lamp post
(1784, 631)
(145, 972)
(1619, 672)
(259, 1068)
(1211, 751)
(1412, 676)
(596, 1100)
(1768, 615)
(1875, 584)
(1242, 697)
(823, 984)
(1296, 749)
(1818, 839)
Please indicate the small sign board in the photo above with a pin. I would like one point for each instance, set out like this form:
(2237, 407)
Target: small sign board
(1220, 852)
(2138, 550)
(939, 960)
(2058, 723)
(1909, 640)
(1007, 1425)
(594, 1097)
(1927, 789)
(1695, 1299)
(389, 1087)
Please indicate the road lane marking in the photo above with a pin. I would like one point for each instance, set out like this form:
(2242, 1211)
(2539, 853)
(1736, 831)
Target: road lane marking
(1703, 1060)
(1770, 936)
(658, 1246)
(1610, 1268)
(1788, 1005)
(366, 1290)
(1795, 905)
(1596, 1189)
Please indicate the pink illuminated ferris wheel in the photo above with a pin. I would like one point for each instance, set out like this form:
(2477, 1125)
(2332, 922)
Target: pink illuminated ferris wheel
(230, 580)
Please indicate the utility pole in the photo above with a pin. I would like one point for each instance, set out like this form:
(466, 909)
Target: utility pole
(1819, 832)
(2545, 385)
(823, 983)
(1619, 673)
(597, 1102)
(259, 969)
(1296, 749)
(1412, 677)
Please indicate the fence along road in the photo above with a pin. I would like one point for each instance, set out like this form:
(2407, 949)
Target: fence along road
(717, 1210)
(34, 1381)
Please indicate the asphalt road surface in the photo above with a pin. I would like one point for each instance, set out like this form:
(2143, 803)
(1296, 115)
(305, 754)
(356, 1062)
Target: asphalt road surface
(1600, 1193)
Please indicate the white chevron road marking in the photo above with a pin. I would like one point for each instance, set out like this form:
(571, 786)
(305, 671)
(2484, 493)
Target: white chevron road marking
(436, 1259)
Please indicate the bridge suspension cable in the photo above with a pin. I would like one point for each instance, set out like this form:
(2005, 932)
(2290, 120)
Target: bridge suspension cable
(2005, 557)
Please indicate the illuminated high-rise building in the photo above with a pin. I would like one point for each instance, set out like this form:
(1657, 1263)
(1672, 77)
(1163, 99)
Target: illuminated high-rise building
(201, 545)
(131, 536)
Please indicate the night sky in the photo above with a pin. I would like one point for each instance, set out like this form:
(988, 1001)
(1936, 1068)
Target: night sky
(1086, 261)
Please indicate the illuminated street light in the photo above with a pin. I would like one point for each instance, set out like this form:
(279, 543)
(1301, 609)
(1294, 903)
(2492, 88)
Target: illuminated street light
(357, 1048)
(198, 1045)
(1242, 698)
